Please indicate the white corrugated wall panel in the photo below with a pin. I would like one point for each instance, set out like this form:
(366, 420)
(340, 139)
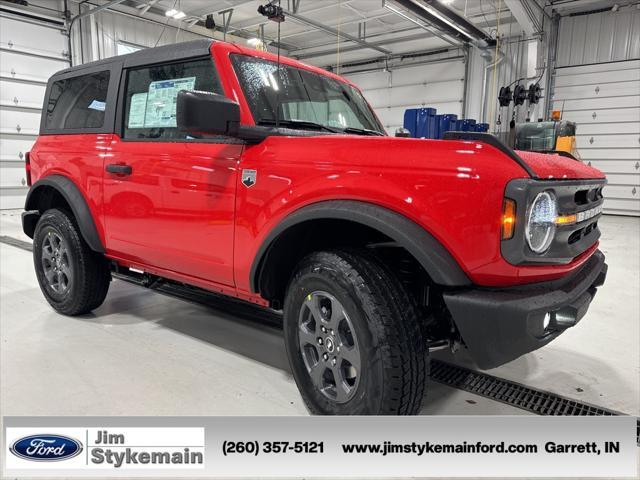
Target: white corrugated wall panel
(437, 85)
(131, 30)
(14, 65)
(595, 104)
(604, 100)
(597, 77)
(597, 85)
(30, 52)
(599, 37)
(613, 89)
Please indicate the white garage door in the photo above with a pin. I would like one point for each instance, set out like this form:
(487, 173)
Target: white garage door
(604, 100)
(31, 50)
(437, 85)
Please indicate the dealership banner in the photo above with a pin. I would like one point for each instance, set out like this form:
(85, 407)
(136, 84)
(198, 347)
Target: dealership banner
(426, 446)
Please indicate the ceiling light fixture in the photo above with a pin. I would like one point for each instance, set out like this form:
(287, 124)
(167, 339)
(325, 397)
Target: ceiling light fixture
(176, 14)
(440, 17)
(258, 44)
(432, 31)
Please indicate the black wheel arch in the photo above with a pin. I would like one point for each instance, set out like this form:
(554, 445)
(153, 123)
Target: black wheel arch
(70, 193)
(422, 245)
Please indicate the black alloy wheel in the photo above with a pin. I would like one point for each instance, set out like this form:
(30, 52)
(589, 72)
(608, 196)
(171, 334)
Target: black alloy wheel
(73, 278)
(354, 337)
(329, 346)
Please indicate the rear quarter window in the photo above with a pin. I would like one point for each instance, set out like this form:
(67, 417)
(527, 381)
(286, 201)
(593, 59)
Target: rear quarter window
(77, 103)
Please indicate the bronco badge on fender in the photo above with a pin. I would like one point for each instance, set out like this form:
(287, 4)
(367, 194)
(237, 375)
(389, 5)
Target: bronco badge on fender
(249, 177)
(46, 448)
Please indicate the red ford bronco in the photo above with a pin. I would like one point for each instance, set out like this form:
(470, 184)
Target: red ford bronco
(210, 166)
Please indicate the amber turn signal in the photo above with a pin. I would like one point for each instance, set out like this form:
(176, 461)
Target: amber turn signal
(566, 219)
(508, 218)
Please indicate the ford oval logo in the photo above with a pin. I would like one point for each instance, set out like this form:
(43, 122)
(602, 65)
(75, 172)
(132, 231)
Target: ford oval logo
(46, 448)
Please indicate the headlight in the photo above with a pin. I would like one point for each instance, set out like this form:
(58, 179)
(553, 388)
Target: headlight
(541, 222)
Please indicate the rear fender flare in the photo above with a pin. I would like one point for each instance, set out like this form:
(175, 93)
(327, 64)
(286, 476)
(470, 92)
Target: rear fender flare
(72, 195)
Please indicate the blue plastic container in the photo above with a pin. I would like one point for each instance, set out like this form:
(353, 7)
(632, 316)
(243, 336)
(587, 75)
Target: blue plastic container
(419, 121)
(425, 122)
(469, 125)
(411, 121)
(447, 123)
(482, 127)
(432, 127)
(437, 132)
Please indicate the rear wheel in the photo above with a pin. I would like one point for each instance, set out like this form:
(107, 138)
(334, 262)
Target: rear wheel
(353, 337)
(73, 278)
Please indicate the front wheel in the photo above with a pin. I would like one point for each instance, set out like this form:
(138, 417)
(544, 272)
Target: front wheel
(353, 337)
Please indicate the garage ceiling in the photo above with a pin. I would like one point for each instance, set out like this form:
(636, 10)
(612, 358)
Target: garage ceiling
(310, 34)
(367, 28)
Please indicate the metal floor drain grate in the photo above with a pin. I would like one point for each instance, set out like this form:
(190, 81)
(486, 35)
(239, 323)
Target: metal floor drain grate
(515, 394)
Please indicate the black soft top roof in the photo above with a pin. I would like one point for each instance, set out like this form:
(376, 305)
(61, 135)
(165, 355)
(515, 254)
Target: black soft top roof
(166, 53)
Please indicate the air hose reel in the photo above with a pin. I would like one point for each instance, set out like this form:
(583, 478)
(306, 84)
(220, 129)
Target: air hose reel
(505, 96)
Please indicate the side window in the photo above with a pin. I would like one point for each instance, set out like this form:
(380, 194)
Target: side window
(78, 102)
(150, 98)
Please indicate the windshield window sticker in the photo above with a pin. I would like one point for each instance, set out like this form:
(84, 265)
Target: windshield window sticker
(98, 105)
(161, 101)
(137, 109)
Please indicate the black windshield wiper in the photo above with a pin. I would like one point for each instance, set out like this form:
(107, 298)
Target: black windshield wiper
(302, 124)
(362, 131)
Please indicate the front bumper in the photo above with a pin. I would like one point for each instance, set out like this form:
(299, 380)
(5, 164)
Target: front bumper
(499, 325)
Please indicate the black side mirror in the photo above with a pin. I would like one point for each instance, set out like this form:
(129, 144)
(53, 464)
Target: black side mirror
(207, 113)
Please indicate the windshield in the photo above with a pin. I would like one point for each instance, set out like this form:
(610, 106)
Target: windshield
(539, 137)
(307, 100)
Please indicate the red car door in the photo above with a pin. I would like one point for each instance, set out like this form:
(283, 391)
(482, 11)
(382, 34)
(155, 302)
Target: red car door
(169, 198)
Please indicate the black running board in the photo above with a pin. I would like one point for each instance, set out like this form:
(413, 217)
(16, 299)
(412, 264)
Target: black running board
(199, 296)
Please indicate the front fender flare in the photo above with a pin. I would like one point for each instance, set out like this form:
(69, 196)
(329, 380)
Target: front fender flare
(425, 248)
(72, 195)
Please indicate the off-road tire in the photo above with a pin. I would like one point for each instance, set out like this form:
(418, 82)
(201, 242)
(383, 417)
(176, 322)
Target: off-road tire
(393, 352)
(90, 270)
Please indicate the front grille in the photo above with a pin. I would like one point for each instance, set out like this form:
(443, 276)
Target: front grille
(581, 233)
(580, 197)
(584, 197)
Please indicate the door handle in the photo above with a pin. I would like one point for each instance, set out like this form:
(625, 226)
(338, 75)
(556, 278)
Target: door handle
(119, 169)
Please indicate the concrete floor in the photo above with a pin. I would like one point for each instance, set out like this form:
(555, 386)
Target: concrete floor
(143, 353)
